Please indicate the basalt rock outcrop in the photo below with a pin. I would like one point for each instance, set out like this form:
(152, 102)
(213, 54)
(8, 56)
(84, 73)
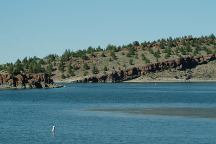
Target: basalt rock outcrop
(128, 74)
(20, 81)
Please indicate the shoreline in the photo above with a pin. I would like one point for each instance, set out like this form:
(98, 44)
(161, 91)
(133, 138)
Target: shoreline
(50, 86)
(147, 80)
(170, 81)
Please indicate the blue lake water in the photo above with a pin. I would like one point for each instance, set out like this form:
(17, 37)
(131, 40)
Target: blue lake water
(27, 116)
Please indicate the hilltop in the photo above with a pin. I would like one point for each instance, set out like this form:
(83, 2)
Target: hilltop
(173, 58)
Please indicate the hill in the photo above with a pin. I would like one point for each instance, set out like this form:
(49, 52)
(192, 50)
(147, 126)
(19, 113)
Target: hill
(175, 58)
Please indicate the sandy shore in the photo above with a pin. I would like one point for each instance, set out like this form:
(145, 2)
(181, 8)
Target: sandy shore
(160, 77)
(147, 80)
(185, 112)
(166, 80)
(67, 80)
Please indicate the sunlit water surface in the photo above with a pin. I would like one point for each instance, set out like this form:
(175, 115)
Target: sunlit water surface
(27, 116)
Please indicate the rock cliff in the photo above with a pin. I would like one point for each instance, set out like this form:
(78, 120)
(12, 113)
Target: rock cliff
(40, 80)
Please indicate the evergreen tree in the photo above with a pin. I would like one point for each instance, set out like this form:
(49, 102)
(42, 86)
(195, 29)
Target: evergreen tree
(99, 49)
(35, 67)
(61, 66)
(157, 55)
(49, 69)
(1, 67)
(131, 51)
(136, 43)
(70, 70)
(112, 48)
(66, 55)
(10, 68)
(18, 67)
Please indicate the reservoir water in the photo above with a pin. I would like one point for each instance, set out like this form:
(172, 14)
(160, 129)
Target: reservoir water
(107, 114)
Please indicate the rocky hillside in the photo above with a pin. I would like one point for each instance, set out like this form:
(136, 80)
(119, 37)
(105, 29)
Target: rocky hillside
(121, 63)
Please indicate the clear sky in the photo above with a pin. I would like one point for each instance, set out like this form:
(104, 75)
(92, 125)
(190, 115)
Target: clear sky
(41, 27)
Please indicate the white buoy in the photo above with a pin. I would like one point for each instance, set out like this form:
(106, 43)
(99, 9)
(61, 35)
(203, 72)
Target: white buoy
(53, 129)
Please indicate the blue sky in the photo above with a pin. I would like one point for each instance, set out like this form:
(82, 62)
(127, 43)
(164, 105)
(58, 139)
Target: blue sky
(41, 27)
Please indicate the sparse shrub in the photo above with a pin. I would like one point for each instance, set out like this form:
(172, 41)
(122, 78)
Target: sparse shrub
(75, 67)
(189, 49)
(72, 73)
(183, 51)
(144, 58)
(151, 50)
(208, 51)
(105, 68)
(112, 54)
(131, 62)
(85, 73)
(168, 51)
(85, 57)
(167, 55)
(103, 54)
(86, 66)
(157, 54)
(70, 70)
(136, 56)
(63, 76)
(195, 52)
(131, 51)
(124, 65)
(61, 66)
(95, 69)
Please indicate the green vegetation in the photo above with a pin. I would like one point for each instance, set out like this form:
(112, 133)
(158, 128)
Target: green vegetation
(157, 55)
(131, 62)
(85, 73)
(131, 51)
(49, 69)
(61, 66)
(144, 58)
(70, 70)
(86, 66)
(63, 76)
(95, 69)
(105, 68)
(112, 54)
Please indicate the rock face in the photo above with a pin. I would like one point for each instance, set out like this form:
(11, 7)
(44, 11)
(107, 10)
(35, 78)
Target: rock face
(40, 80)
(123, 75)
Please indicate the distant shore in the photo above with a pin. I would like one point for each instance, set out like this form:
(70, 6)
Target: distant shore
(149, 80)
(168, 80)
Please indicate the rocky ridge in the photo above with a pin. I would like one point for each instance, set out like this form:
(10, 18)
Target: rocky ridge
(135, 72)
